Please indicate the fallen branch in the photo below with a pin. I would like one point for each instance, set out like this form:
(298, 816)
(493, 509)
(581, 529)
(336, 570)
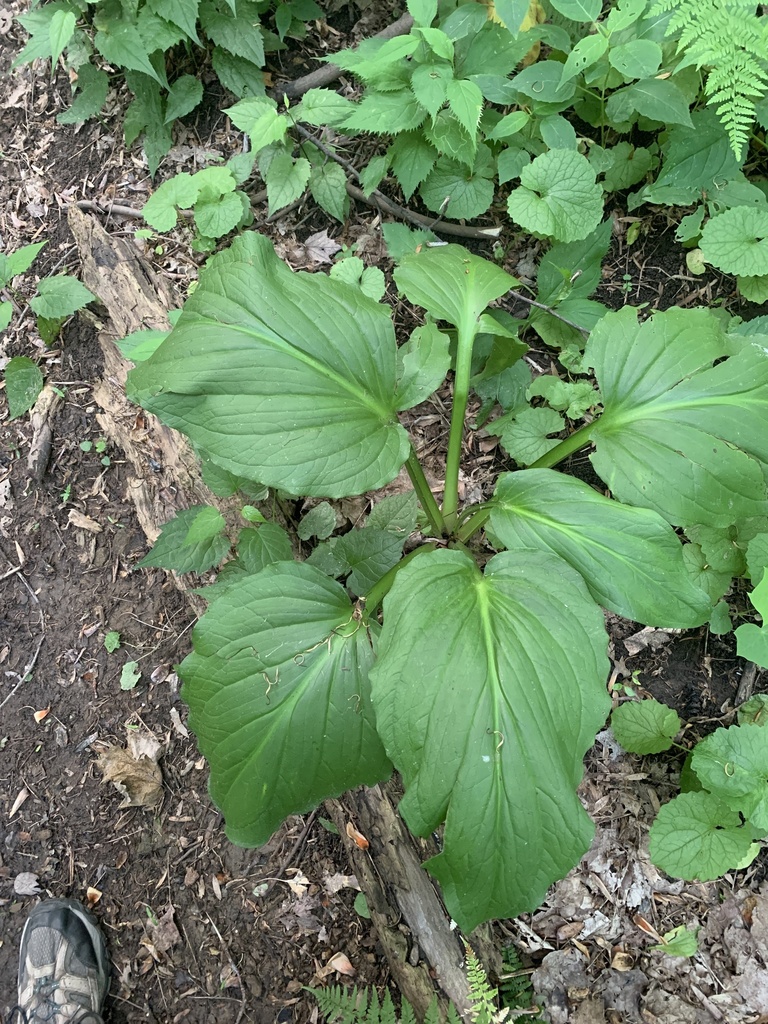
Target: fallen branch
(381, 202)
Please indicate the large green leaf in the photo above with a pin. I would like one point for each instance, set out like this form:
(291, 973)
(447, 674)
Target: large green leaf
(678, 434)
(488, 691)
(284, 378)
(451, 283)
(630, 558)
(279, 698)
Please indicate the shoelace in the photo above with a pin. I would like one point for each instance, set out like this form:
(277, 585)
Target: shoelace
(19, 1016)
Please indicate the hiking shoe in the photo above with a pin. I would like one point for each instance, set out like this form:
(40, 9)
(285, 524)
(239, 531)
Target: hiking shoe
(63, 966)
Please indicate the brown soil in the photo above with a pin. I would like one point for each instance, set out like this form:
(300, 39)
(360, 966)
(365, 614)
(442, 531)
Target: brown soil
(198, 930)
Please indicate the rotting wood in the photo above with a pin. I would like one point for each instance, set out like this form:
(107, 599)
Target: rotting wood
(405, 908)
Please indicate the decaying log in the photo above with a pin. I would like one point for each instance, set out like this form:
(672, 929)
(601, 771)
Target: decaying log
(399, 891)
(424, 953)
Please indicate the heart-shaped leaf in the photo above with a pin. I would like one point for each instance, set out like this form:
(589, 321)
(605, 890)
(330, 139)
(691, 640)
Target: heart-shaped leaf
(488, 691)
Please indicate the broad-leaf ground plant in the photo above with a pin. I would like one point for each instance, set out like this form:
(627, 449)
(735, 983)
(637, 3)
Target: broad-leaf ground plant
(722, 810)
(476, 664)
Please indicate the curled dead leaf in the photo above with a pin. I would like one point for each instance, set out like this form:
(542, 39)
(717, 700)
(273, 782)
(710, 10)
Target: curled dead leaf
(134, 771)
(357, 837)
(25, 884)
(341, 964)
(40, 715)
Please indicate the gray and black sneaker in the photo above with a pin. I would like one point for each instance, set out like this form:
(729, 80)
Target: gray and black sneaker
(63, 967)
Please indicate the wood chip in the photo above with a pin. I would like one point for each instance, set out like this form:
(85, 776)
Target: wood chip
(83, 522)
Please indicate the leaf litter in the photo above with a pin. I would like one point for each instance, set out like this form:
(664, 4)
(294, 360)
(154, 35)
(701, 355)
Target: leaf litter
(134, 770)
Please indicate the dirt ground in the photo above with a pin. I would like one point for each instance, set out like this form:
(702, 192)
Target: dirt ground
(198, 930)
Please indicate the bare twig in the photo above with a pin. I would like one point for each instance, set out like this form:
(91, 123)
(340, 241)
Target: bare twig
(235, 970)
(547, 309)
(22, 676)
(376, 199)
(330, 72)
(111, 209)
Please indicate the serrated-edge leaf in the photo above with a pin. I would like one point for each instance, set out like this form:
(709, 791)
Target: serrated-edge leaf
(645, 727)
(171, 550)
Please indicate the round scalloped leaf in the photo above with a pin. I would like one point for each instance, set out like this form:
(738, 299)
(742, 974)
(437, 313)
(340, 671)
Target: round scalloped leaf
(285, 378)
(754, 289)
(698, 837)
(736, 241)
(733, 764)
(278, 692)
(645, 727)
(488, 691)
(558, 196)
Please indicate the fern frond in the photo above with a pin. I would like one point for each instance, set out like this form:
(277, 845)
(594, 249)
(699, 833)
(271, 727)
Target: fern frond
(482, 998)
(725, 37)
(342, 1005)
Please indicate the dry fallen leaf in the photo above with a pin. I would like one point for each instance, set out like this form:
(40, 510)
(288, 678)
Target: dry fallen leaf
(25, 884)
(341, 964)
(320, 247)
(92, 896)
(178, 725)
(40, 715)
(333, 883)
(161, 934)
(299, 883)
(134, 771)
(23, 795)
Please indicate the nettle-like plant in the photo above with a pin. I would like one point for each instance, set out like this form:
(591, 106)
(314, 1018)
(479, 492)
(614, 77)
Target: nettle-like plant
(476, 664)
(468, 103)
(149, 41)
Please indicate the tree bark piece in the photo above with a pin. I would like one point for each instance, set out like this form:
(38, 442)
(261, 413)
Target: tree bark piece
(405, 908)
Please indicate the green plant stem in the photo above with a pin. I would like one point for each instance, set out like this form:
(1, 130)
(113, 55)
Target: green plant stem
(466, 337)
(424, 494)
(577, 440)
(380, 590)
(475, 522)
